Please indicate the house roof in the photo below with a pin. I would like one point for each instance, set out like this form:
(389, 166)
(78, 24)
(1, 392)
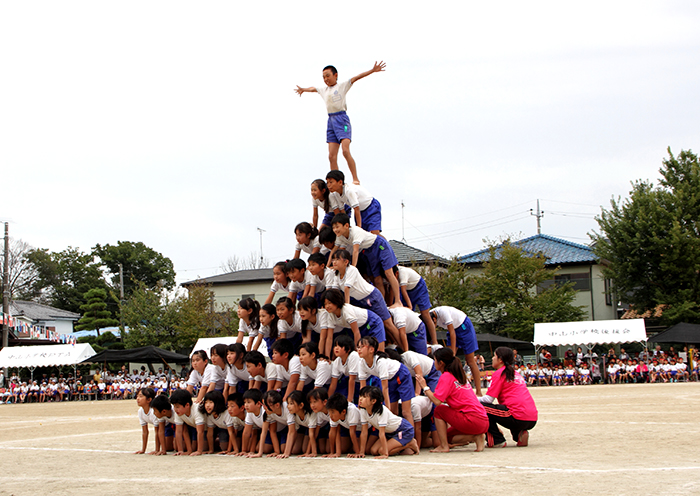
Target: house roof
(38, 312)
(557, 251)
(408, 255)
(239, 276)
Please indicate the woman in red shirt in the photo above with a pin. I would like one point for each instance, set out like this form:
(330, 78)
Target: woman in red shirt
(515, 409)
(466, 416)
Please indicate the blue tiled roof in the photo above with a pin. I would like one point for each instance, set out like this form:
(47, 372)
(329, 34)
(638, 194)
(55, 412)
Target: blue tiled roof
(557, 251)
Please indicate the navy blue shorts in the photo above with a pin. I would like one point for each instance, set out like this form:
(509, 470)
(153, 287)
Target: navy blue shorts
(372, 216)
(242, 386)
(401, 386)
(222, 434)
(416, 340)
(329, 216)
(374, 303)
(433, 377)
(403, 434)
(323, 432)
(420, 296)
(281, 435)
(338, 128)
(373, 327)
(428, 424)
(380, 257)
(466, 337)
(169, 430)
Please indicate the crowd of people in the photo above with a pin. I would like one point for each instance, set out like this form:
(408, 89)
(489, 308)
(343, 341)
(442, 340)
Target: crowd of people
(99, 386)
(580, 369)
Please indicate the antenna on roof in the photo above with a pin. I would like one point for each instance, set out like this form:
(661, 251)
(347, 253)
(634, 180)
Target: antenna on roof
(403, 234)
(539, 215)
(261, 251)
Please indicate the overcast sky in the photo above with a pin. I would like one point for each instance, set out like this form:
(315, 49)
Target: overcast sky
(175, 123)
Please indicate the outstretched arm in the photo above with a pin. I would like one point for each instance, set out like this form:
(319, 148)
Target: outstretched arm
(378, 67)
(301, 90)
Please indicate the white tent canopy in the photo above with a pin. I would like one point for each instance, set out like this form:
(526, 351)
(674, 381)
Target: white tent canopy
(590, 332)
(45, 356)
(206, 344)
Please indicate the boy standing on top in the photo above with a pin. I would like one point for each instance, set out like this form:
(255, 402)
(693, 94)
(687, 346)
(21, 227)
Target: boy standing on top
(339, 131)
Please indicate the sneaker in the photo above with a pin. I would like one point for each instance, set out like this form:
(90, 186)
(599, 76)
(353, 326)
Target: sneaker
(523, 438)
(499, 445)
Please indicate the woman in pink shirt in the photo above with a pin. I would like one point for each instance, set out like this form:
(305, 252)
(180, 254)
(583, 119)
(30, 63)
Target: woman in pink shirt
(516, 408)
(466, 416)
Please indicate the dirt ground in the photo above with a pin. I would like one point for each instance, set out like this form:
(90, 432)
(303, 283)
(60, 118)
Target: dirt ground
(616, 439)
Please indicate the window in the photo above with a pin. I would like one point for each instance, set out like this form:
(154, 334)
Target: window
(608, 292)
(581, 282)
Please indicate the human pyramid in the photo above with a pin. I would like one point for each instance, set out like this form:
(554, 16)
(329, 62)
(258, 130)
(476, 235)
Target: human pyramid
(354, 370)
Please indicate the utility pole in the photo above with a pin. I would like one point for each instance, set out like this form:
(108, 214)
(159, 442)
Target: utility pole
(6, 289)
(121, 301)
(539, 215)
(261, 250)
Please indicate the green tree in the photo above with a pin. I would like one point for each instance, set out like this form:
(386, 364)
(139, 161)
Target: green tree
(447, 285)
(652, 241)
(140, 264)
(175, 322)
(508, 298)
(504, 298)
(64, 277)
(95, 313)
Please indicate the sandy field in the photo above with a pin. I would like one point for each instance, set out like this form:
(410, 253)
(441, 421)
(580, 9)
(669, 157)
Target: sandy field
(616, 439)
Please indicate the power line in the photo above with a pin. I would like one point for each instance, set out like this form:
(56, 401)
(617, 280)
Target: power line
(470, 217)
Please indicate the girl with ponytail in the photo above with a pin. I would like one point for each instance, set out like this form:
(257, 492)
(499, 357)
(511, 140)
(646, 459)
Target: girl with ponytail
(515, 409)
(456, 404)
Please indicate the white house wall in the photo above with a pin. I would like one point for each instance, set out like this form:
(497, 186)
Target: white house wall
(231, 294)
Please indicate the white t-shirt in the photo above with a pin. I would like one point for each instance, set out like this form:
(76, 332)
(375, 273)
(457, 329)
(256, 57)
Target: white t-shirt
(348, 314)
(236, 375)
(350, 367)
(194, 419)
(224, 421)
(356, 236)
(255, 420)
(290, 330)
(421, 407)
(384, 368)
(331, 203)
(215, 374)
(195, 378)
(310, 420)
(321, 375)
(449, 315)
(278, 287)
(359, 287)
(285, 418)
(412, 359)
(313, 244)
(353, 196)
(385, 419)
(270, 373)
(408, 277)
(247, 329)
(405, 317)
(352, 418)
(285, 375)
(334, 96)
(147, 418)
